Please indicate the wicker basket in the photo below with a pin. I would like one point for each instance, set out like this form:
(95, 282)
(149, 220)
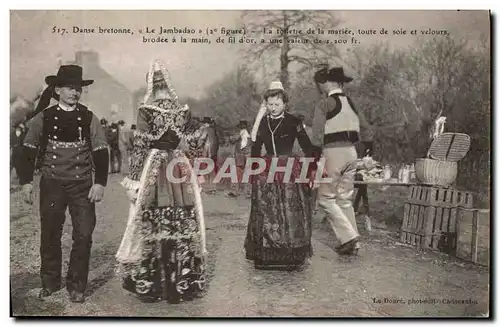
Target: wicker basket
(440, 168)
(435, 172)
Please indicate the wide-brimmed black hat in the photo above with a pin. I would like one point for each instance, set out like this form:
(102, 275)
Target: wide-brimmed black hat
(68, 75)
(334, 74)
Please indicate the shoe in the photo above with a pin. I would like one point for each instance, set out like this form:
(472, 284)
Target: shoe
(349, 248)
(76, 297)
(46, 292)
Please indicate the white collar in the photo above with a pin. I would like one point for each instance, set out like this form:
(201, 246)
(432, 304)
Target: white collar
(277, 117)
(335, 91)
(66, 107)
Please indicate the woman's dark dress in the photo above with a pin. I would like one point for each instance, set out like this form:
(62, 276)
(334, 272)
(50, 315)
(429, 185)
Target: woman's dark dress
(279, 228)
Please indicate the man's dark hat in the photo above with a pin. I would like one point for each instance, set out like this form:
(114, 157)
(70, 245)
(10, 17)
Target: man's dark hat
(207, 119)
(121, 122)
(242, 123)
(104, 121)
(68, 75)
(334, 74)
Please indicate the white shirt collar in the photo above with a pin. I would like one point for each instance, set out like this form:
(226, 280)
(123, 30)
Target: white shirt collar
(277, 117)
(66, 107)
(335, 91)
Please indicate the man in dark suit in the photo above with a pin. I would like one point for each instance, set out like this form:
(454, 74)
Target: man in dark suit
(66, 141)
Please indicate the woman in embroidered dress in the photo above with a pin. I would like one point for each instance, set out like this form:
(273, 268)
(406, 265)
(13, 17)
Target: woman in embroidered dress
(279, 228)
(161, 255)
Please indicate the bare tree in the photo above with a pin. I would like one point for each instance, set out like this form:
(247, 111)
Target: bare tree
(233, 98)
(280, 37)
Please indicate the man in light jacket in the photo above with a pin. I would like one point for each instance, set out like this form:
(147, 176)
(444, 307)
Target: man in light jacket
(336, 130)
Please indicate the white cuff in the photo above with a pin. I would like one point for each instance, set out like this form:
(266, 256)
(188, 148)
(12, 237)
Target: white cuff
(130, 184)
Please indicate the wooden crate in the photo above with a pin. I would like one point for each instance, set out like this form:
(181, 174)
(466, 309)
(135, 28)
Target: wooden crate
(430, 216)
(473, 235)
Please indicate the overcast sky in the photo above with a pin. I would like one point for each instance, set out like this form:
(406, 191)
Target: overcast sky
(35, 49)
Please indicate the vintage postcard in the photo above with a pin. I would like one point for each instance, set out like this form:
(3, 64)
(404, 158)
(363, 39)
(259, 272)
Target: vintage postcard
(219, 163)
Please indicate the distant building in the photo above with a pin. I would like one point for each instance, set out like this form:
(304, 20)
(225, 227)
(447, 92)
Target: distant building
(138, 98)
(107, 97)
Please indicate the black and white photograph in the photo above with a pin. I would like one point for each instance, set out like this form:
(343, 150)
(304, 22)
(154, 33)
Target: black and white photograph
(250, 163)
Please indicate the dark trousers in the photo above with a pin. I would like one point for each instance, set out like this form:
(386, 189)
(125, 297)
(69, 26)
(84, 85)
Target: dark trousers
(361, 194)
(119, 158)
(115, 160)
(55, 196)
(16, 159)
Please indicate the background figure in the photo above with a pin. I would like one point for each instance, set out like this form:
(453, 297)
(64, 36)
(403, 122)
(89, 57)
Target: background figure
(242, 149)
(16, 148)
(301, 118)
(112, 137)
(133, 128)
(364, 149)
(105, 126)
(212, 151)
(124, 146)
(104, 123)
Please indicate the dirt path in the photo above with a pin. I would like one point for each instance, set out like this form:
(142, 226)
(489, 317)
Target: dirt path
(384, 272)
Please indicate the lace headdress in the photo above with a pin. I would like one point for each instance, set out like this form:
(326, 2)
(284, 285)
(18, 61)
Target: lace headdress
(158, 72)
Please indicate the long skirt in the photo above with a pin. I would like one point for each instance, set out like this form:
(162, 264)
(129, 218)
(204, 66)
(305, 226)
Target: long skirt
(279, 228)
(162, 251)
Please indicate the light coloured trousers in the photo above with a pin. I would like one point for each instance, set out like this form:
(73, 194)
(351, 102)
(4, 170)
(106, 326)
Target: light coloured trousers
(336, 197)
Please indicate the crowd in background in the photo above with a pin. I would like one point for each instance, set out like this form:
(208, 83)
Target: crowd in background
(119, 135)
